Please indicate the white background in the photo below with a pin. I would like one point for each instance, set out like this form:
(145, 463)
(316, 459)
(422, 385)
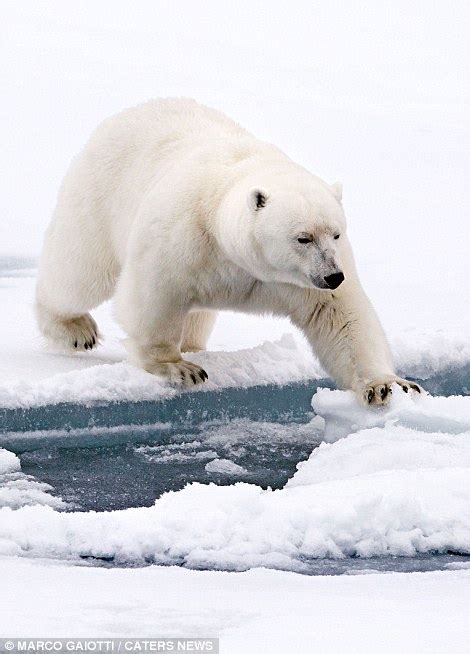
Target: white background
(319, 79)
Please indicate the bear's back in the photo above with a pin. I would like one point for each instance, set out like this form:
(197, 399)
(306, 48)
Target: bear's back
(168, 120)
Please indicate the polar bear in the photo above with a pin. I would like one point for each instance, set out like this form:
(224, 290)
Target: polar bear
(178, 211)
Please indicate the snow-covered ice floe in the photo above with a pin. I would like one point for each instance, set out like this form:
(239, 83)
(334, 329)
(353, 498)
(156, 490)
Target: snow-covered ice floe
(286, 360)
(278, 362)
(389, 482)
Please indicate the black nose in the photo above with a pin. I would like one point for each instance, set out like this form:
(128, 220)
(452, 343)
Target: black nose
(334, 280)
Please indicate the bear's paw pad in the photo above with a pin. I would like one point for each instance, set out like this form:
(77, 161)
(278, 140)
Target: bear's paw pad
(79, 333)
(378, 392)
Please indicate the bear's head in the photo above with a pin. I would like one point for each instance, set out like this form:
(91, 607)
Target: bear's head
(298, 234)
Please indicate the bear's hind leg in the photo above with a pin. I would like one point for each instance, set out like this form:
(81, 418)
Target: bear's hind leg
(198, 326)
(75, 275)
(79, 332)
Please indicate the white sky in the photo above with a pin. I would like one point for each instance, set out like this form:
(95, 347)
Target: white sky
(376, 94)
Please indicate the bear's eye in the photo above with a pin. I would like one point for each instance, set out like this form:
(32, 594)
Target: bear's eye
(336, 236)
(305, 239)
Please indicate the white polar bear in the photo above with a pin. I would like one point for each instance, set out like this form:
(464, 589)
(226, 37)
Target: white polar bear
(178, 211)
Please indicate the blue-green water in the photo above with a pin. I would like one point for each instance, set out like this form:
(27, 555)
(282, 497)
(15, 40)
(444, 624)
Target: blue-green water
(113, 456)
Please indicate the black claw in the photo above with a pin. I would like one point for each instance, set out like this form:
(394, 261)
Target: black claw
(75, 343)
(94, 340)
(405, 388)
(202, 376)
(370, 395)
(86, 346)
(384, 392)
(415, 387)
(193, 377)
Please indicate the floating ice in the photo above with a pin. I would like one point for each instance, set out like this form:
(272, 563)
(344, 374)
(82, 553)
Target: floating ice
(397, 486)
(175, 453)
(17, 489)
(225, 467)
(9, 462)
(344, 415)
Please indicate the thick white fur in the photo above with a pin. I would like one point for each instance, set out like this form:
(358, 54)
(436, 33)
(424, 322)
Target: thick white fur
(164, 209)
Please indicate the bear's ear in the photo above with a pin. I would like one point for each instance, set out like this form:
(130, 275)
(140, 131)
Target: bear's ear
(337, 189)
(257, 199)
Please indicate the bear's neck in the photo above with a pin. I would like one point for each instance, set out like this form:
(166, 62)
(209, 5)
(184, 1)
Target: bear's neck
(233, 230)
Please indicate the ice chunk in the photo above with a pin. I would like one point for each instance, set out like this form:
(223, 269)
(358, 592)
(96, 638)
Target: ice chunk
(17, 489)
(9, 462)
(225, 467)
(175, 453)
(375, 450)
(343, 414)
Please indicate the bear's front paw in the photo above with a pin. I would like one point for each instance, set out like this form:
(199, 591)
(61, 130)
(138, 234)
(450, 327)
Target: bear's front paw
(378, 391)
(181, 373)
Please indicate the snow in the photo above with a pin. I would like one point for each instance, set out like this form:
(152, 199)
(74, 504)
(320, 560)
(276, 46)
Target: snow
(278, 362)
(423, 352)
(251, 612)
(343, 414)
(8, 462)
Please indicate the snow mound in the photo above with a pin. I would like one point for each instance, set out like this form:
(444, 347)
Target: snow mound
(388, 488)
(373, 451)
(424, 352)
(344, 415)
(17, 489)
(9, 462)
(277, 362)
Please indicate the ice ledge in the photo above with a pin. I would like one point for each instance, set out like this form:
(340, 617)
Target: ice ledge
(282, 362)
(278, 402)
(279, 362)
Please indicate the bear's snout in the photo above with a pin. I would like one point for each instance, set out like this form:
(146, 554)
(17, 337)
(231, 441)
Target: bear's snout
(334, 280)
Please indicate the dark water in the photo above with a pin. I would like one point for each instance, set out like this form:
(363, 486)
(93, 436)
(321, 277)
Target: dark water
(95, 459)
(103, 467)
(351, 566)
(114, 456)
(136, 472)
